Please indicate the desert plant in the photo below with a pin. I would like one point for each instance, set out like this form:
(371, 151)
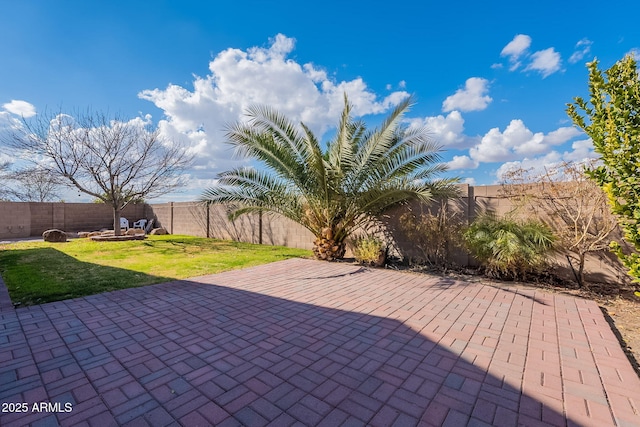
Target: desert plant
(507, 248)
(335, 191)
(369, 250)
(434, 234)
(573, 206)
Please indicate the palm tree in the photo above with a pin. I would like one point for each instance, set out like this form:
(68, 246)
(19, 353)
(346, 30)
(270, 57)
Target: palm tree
(509, 248)
(361, 173)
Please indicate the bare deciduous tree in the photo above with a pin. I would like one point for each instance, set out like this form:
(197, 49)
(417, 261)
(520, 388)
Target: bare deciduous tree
(571, 204)
(114, 160)
(32, 185)
(4, 185)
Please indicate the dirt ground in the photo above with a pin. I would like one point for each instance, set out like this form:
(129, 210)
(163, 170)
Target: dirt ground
(625, 314)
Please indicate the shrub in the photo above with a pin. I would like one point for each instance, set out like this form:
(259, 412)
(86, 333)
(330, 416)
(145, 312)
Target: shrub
(571, 204)
(434, 234)
(508, 249)
(611, 118)
(370, 250)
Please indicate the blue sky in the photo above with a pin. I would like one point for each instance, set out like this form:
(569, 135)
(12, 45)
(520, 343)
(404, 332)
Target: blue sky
(491, 79)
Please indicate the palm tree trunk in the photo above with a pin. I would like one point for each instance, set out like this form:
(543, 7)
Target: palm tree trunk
(327, 248)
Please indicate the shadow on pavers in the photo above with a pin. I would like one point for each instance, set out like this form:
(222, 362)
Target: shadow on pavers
(188, 351)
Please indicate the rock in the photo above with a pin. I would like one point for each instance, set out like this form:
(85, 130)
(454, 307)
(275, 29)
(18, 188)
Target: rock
(54, 235)
(83, 234)
(94, 233)
(113, 238)
(134, 232)
(158, 231)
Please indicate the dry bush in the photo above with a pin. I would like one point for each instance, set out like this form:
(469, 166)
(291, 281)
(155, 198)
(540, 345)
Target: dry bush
(567, 201)
(434, 234)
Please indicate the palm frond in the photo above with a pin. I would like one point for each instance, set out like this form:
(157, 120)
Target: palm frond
(341, 151)
(376, 145)
(359, 175)
(267, 120)
(316, 167)
(262, 146)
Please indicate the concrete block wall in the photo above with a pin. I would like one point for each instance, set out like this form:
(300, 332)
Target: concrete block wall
(463, 207)
(489, 198)
(196, 219)
(15, 220)
(160, 213)
(27, 219)
(280, 231)
(243, 229)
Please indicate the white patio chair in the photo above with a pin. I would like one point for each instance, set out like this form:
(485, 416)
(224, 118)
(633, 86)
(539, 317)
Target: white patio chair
(124, 224)
(141, 223)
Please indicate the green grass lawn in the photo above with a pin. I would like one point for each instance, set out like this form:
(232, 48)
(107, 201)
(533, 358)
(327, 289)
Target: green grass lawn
(39, 272)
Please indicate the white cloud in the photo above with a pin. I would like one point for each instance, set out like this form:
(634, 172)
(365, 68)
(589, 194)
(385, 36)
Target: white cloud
(546, 62)
(20, 108)
(472, 98)
(635, 52)
(470, 181)
(536, 164)
(517, 141)
(258, 75)
(562, 135)
(583, 47)
(446, 130)
(497, 146)
(402, 84)
(515, 49)
(9, 123)
(462, 162)
(581, 151)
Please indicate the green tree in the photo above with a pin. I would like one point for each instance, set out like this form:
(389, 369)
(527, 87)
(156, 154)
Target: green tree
(611, 118)
(331, 192)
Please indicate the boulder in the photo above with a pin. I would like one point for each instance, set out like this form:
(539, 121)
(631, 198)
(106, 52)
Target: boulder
(158, 231)
(94, 233)
(54, 235)
(118, 238)
(83, 234)
(134, 232)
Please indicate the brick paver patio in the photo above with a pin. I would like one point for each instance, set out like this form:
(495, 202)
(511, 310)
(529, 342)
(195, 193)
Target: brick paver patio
(301, 342)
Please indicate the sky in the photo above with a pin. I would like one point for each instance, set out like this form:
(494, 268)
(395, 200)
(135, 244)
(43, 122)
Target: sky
(490, 80)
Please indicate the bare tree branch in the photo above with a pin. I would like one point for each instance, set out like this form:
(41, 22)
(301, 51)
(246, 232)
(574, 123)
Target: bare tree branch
(571, 204)
(113, 160)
